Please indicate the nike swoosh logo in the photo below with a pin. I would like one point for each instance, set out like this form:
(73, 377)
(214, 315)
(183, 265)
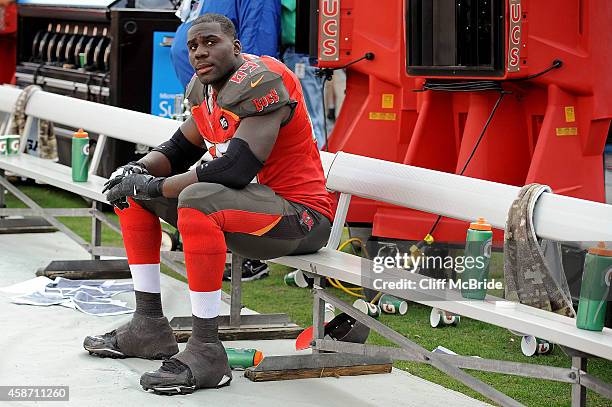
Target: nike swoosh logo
(253, 84)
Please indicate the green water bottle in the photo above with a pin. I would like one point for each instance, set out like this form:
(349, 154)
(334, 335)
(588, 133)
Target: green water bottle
(476, 261)
(80, 156)
(243, 358)
(595, 288)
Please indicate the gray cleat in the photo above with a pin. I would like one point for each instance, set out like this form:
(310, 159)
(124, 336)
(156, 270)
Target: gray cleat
(104, 345)
(142, 337)
(200, 366)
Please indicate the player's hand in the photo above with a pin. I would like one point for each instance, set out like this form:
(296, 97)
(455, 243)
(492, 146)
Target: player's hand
(133, 167)
(139, 186)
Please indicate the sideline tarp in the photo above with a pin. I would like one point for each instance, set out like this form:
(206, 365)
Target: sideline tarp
(43, 346)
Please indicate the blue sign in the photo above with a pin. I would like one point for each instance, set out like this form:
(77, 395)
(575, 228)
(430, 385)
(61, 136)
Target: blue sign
(166, 89)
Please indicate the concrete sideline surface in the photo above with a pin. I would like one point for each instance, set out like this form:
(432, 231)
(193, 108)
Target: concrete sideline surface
(43, 346)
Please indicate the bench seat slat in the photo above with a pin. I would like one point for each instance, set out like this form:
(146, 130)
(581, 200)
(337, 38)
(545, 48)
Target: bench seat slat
(55, 174)
(556, 217)
(326, 161)
(517, 317)
(8, 98)
(115, 122)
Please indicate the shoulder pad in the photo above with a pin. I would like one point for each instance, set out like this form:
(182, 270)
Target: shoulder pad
(253, 90)
(194, 92)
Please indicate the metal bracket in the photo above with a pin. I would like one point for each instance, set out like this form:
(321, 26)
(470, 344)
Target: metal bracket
(452, 364)
(426, 356)
(253, 326)
(237, 326)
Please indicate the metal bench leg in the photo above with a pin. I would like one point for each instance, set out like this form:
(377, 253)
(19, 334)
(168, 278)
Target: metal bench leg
(29, 220)
(41, 211)
(318, 313)
(77, 269)
(96, 229)
(2, 192)
(235, 327)
(236, 299)
(578, 391)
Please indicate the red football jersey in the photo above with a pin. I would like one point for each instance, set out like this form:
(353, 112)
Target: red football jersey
(262, 85)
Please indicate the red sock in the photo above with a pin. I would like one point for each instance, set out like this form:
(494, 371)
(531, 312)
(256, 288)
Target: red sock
(141, 234)
(204, 248)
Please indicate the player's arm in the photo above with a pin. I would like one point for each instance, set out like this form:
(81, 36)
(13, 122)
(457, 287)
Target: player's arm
(260, 101)
(244, 158)
(146, 175)
(176, 155)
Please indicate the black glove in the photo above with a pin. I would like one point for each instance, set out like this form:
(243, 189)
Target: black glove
(139, 186)
(133, 167)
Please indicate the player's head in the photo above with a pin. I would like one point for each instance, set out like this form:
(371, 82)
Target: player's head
(214, 50)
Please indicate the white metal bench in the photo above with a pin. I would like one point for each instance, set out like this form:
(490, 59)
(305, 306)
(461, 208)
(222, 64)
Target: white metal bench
(557, 217)
(107, 121)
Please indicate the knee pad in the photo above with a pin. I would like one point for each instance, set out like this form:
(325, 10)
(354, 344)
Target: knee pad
(141, 234)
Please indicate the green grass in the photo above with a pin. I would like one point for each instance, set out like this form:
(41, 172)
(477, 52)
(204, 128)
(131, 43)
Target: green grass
(470, 337)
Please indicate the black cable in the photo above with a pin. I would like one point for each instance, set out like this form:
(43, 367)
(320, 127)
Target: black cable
(472, 86)
(326, 74)
(324, 116)
(467, 162)
(557, 63)
(481, 86)
(486, 126)
(478, 86)
(368, 55)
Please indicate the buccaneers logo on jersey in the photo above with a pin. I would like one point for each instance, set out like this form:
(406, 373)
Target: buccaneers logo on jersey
(223, 122)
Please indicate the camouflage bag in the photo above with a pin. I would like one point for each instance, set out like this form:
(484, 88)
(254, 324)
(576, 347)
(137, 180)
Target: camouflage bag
(529, 277)
(47, 143)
